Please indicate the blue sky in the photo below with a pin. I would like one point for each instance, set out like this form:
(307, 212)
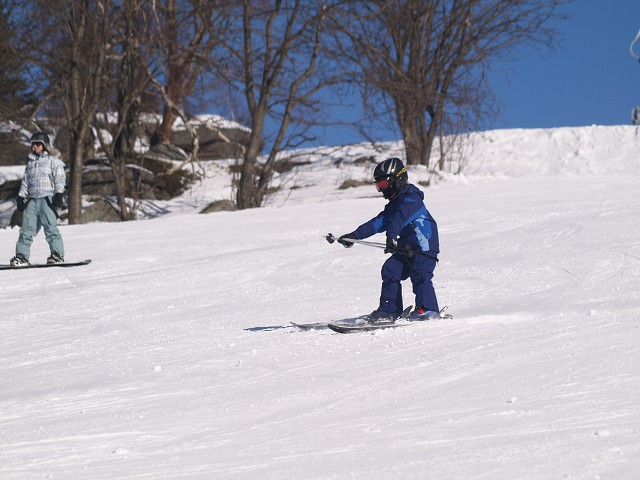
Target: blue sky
(591, 78)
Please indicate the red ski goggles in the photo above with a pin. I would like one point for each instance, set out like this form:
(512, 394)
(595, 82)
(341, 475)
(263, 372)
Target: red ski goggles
(383, 184)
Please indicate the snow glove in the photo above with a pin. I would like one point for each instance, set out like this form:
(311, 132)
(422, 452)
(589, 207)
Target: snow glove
(392, 245)
(21, 204)
(344, 240)
(57, 200)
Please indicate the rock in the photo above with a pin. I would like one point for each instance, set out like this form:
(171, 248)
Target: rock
(9, 189)
(100, 211)
(219, 206)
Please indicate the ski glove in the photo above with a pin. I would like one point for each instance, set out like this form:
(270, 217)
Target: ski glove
(344, 240)
(57, 200)
(392, 245)
(21, 204)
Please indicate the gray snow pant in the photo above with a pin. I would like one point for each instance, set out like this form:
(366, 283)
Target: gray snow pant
(39, 214)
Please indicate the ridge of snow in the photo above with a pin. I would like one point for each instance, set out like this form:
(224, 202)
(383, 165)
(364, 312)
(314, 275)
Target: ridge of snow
(171, 355)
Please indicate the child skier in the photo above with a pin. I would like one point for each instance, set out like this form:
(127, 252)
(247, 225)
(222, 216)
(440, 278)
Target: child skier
(40, 194)
(412, 237)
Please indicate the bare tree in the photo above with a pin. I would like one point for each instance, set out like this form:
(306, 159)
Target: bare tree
(69, 50)
(186, 33)
(277, 56)
(82, 61)
(424, 61)
(126, 93)
(102, 57)
(160, 46)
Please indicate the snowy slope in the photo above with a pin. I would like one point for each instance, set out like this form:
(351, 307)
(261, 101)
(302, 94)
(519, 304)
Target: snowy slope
(170, 356)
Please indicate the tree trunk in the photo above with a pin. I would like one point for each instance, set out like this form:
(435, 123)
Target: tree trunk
(418, 139)
(77, 136)
(75, 190)
(246, 196)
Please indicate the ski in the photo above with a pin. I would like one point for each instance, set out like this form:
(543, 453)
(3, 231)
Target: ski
(45, 265)
(365, 327)
(361, 320)
(310, 326)
(369, 326)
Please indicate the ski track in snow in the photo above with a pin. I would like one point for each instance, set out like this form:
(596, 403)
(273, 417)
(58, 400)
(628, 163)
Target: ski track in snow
(171, 355)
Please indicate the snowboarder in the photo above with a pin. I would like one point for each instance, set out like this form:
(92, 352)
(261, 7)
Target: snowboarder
(412, 238)
(40, 195)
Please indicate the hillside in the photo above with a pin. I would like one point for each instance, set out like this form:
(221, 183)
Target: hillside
(171, 355)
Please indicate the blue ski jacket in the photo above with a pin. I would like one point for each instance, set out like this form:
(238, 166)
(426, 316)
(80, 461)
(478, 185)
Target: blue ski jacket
(406, 219)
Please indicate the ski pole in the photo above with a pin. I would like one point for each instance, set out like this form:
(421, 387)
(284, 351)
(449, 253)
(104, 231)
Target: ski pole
(407, 252)
(331, 239)
(403, 251)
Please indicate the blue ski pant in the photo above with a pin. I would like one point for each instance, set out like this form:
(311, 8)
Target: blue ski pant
(39, 214)
(420, 270)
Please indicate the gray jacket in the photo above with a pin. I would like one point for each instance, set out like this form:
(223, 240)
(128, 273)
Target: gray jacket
(44, 175)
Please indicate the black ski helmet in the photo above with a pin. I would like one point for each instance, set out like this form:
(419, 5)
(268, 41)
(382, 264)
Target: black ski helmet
(40, 137)
(390, 177)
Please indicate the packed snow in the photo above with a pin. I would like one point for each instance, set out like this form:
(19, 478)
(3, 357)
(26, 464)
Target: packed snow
(171, 355)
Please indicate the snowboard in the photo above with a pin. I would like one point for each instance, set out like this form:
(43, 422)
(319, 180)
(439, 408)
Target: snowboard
(45, 265)
(346, 322)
